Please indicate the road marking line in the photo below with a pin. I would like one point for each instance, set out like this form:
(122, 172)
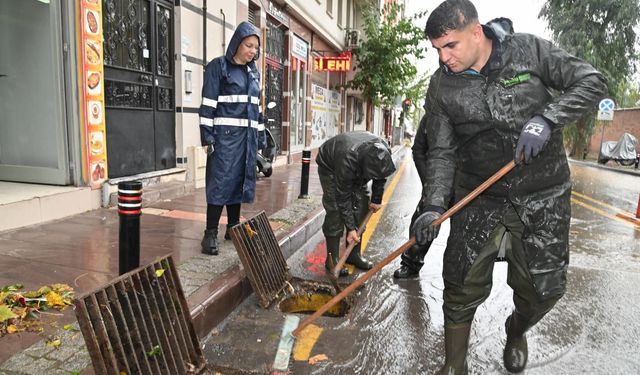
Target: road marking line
(603, 213)
(583, 196)
(305, 342)
(388, 192)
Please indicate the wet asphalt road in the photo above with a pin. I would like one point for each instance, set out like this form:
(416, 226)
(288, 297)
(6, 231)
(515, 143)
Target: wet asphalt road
(396, 327)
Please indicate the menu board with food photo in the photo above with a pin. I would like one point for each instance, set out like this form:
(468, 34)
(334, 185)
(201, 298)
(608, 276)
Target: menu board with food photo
(91, 86)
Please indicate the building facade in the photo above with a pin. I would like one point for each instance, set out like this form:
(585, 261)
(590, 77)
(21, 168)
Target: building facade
(107, 90)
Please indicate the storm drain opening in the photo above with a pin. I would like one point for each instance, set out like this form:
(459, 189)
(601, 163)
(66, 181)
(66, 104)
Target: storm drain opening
(307, 297)
(269, 274)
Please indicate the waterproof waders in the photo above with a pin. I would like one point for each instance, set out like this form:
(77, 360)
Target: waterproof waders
(515, 350)
(333, 252)
(456, 343)
(356, 259)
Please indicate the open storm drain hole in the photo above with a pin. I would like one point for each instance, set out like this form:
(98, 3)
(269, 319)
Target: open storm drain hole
(269, 275)
(309, 297)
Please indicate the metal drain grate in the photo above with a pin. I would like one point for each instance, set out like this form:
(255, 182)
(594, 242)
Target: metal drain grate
(140, 324)
(261, 258)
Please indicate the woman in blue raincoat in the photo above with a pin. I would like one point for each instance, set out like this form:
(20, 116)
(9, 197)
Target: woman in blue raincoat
(231, 130)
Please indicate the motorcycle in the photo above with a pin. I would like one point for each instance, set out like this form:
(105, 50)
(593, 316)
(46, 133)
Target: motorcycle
(623, 152)
(267, 156)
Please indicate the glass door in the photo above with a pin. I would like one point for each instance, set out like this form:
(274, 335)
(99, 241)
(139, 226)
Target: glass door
(299, 88)
(33, 126)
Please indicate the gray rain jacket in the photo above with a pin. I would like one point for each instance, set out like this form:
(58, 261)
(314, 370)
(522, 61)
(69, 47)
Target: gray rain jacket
(354, 159)
(474, 121)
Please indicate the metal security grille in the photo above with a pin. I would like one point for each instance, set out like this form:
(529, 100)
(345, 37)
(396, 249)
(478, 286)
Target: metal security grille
(140, 324)
(261, 258)
(254, 14)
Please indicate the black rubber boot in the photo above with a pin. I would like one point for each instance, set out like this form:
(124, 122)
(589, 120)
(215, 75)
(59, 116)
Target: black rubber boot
(412, 262)
(405, 272)
(210, 242)
(456, 343)
(333, 249)
(516, 352)
(227, 236)
(356, 259)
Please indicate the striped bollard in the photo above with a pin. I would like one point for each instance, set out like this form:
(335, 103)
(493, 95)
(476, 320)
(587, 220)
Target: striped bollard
(129, 210)
(304, 179)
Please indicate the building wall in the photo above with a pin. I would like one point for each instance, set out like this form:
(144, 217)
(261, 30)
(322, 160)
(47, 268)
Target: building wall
(624, 121)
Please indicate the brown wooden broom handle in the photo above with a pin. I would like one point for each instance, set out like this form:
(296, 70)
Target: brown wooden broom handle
(464, 201)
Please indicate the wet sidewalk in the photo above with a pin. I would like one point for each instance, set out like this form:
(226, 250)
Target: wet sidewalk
(82, 251)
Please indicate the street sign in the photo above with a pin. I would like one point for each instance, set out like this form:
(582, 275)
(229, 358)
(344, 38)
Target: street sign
(606, 105)
(605, 115)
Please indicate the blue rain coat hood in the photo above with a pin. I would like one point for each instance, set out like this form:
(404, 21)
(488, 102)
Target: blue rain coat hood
(243, 30)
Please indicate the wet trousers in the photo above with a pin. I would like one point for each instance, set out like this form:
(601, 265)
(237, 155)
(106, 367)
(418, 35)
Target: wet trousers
(214, 213)
(333, 225)
(461, 301)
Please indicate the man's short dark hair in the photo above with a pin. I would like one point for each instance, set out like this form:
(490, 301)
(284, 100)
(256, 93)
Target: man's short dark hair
(450, 15)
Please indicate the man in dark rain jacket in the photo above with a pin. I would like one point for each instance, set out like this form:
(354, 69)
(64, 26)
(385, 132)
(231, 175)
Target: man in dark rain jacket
(489, 102)
(231, 129)
(346, 163)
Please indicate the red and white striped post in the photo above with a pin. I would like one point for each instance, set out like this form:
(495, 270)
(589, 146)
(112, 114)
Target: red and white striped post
(129, 210)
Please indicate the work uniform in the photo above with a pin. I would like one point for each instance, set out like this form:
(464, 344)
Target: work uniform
(474, 121)
(346, 163)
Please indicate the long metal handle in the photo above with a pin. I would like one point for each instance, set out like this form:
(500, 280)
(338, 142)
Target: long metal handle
(463, 202)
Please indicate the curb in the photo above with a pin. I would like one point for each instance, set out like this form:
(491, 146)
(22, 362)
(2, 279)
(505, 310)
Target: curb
(596, 165)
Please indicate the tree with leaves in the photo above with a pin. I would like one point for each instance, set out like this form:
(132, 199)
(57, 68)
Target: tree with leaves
(602, 33)
(384, 67)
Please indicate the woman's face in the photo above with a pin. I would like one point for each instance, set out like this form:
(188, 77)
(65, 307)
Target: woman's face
(247, 50)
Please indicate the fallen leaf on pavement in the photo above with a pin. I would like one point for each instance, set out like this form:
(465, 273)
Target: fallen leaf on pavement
(54, 343)
(6, 313)
(317, 358)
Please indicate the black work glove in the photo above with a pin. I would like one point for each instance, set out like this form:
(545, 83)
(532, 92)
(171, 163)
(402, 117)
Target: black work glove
(210, 149)
(422, 228)
(534, 135)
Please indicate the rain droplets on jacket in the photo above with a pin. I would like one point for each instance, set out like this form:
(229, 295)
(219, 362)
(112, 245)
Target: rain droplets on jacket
(231, 120)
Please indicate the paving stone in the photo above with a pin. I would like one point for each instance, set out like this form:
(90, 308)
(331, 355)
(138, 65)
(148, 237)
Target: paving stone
(78, 362)
(39, 349)
(23, 364)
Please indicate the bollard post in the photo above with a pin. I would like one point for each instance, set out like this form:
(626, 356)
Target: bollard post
(304, 179)
(638, 209)
(129, 210)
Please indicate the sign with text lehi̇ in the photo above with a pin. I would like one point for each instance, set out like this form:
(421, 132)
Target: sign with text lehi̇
(340, 63)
